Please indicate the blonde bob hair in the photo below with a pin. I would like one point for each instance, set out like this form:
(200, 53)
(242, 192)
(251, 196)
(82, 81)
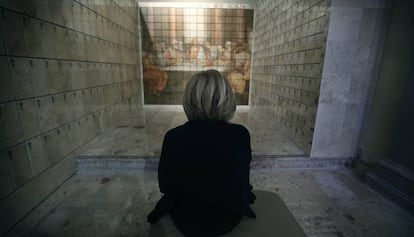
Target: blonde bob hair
(209, 96)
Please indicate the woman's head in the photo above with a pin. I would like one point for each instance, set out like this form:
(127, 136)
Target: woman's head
(208, 96)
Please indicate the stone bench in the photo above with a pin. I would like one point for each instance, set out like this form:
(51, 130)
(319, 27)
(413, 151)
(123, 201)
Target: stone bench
(273, 219)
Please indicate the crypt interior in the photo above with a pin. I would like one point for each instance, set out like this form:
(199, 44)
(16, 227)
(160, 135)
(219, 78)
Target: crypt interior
(89, 88)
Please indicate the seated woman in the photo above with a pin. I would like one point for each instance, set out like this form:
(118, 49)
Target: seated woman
(205, 163)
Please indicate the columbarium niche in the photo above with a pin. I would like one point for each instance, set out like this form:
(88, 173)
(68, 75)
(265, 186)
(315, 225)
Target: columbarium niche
(179, 40)
(289, 50)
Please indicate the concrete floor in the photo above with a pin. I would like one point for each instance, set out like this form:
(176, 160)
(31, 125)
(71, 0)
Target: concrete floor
(325, 202)
(135, 138)
(326, 199)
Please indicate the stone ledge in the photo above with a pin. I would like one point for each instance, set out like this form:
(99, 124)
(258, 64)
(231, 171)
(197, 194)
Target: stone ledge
(96, 164)
(394, 182)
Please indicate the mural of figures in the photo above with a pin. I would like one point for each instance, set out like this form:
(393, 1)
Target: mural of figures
(177, 42)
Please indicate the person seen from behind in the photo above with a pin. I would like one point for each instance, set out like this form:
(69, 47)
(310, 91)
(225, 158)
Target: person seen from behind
(204, 166)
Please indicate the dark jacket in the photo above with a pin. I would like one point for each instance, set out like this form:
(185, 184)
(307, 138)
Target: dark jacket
(204, 175)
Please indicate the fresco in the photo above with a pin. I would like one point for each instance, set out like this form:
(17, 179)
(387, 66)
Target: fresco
(177, 42)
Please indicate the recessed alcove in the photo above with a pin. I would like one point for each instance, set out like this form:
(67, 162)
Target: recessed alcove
(272, 57)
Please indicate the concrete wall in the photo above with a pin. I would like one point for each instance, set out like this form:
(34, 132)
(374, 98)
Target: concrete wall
(354, 48)
(389, 128)
(69, 70)
(316, 80)
(288, 52)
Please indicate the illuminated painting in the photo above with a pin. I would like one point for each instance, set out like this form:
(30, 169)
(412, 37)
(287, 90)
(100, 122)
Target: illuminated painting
(177, 42)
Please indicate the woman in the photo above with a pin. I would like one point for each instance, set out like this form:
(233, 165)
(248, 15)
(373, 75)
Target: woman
(204, 165)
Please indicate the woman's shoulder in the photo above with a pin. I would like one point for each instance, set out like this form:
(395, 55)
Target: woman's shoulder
(191, 126)
(175, 131)
(239, 128)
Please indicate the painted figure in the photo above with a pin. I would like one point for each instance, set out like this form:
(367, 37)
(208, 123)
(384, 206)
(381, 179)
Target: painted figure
(212, 53)
(155, 80)
(195, 53)
(240, 74)
(173, 54)
(178, 51)
(226, 54)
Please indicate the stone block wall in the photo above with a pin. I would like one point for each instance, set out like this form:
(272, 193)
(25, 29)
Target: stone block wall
(354, 48)
(288, 55)
(70, 69)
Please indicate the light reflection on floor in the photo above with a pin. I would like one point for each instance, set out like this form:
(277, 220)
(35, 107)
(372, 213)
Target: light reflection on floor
(133, 138)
